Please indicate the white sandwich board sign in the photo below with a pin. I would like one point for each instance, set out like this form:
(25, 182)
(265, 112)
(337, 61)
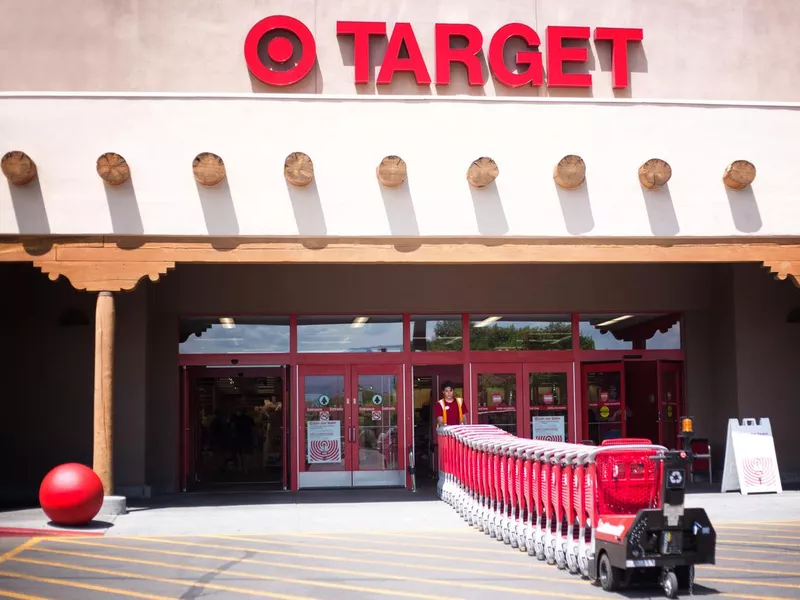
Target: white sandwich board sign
(751, 465)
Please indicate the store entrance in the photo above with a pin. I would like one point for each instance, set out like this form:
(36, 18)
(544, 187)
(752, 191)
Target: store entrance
(351, 426)
(636, 399)
(237, 420)
(428, 382)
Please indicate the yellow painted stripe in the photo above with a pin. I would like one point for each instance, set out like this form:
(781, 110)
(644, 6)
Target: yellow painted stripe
(373, 551)
(21, 548)
(10, 594)
(741, 570)
(790, 523)
(481, 551)
(757, 551)
(181, 582)
(747, 596)
(83, 586)
(319, 557)
(449, 583)
(246, 574)
(749, 533)
(759, 560)
(789, 586)
(752, 543)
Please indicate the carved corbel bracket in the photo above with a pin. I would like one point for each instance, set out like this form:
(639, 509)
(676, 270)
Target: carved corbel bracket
(783, 269)
(103, 276)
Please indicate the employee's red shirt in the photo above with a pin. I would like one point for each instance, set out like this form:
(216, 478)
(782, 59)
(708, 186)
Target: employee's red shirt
(451, 412)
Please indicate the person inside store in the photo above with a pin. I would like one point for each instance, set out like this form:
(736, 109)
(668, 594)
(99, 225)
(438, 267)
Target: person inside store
(450, 410)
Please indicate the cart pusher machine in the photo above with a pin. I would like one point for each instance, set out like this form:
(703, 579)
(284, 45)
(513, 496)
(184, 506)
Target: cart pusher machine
(612, 513)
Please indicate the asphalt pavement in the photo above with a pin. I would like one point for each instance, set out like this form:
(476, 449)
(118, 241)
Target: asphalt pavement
(756, 561)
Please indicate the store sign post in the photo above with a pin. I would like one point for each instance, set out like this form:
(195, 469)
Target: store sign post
(280, 50)
(751, 465)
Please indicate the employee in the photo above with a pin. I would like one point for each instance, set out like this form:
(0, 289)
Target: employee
(450, 410)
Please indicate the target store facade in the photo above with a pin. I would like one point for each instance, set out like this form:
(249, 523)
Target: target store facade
(245, 247)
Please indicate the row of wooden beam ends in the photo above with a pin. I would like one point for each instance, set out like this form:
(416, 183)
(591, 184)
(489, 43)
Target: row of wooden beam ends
(298, 169)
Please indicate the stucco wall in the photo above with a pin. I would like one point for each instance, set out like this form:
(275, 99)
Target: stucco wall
(715, 49)
(438, 140)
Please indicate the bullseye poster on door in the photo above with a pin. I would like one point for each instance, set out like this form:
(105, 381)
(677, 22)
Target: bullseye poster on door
(323, 441)
(751, 465)
(550, 429)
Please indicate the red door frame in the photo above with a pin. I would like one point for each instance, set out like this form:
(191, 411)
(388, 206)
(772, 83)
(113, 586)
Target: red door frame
(189, 440)
(503, 368)
(603, 367)
(563, 367)
(677, 367)
(350, 371)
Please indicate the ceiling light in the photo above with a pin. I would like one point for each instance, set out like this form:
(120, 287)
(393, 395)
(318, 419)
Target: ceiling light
(612, 321)
(359, 321)
(487, 321)
(227, 322)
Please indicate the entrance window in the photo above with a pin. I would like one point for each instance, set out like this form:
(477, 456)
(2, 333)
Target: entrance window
(234, 335)
(436, 333)
(324, 421)
(630, 331)
(520, 332)
(548, 415)
(497, 400)
(350, 334)
(606, 405)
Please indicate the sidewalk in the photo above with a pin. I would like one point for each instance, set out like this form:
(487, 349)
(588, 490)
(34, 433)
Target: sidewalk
(338, 511)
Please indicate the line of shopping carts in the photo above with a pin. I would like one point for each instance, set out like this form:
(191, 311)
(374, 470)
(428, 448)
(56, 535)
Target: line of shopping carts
(614, 513)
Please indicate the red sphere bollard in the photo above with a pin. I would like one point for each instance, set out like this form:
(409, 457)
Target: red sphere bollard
(71, 494)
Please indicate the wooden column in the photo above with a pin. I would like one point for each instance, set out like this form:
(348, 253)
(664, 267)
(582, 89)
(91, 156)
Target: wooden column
(103, 391)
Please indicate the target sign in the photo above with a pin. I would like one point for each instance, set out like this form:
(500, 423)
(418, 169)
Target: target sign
(280, 50)
(758, 471)
(324, 451)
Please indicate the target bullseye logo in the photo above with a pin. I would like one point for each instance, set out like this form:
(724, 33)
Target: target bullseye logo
(280, 50)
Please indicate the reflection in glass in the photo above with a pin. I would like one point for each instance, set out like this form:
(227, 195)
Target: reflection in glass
(241, 429)
(605, 405)
(350, 334)
(630, 331)
(324, 419)
(520, 332)
(497, 400)
(234, 335)
(548, 394)
(377, 422)
(436, 333)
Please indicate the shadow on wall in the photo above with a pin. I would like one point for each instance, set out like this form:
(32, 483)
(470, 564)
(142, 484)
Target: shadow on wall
(218, 209)
(29, 209)
(744, 209)
(489, 211)
(576, 208)
(400, 209)
(124, 208)
(307, 209)
(660, 211)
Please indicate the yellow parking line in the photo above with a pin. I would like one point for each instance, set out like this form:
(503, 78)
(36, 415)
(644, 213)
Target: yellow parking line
(10, 594)
(759, 571)
(182, 582)
(752, 543)
(83, 586)
(792, 523)
(309, 582)
(496, 574)
(791, 586)
(477, 586)
(372, 551)
(21, 548)
(322, 536)
(740, 531)
(759, 560)
(757, 551)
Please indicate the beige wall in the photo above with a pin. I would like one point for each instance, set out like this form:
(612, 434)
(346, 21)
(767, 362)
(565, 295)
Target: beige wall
(740, 352)
(715, 49)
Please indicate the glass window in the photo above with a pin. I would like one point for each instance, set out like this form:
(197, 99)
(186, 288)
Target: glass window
(234, 335)
(520, 332)
(436, 333)
(350, 334)
(630, 331)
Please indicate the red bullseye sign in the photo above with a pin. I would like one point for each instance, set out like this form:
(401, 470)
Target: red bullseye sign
(280, 50)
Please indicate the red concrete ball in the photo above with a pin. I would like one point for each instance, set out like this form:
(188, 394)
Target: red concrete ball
(71, 494)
